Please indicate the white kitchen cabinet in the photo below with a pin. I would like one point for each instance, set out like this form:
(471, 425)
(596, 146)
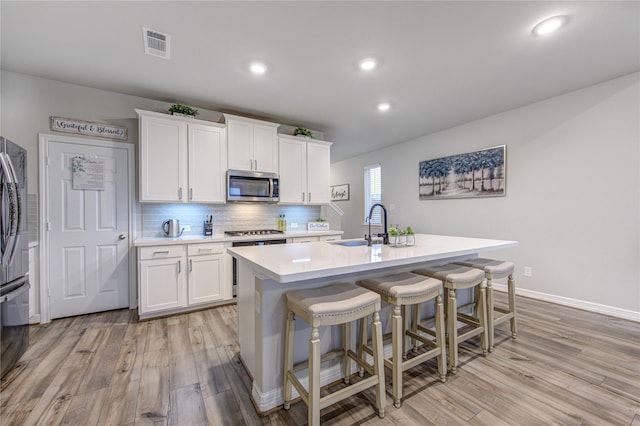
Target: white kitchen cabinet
(304, 171)
(206, 273)
(162, 279)
(252, 144)
(177, 277)
(181, 160)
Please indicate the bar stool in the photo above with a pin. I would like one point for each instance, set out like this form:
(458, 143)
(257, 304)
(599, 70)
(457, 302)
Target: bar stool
(494, 269)
(334, 304)
(457, 277)
(409, 290)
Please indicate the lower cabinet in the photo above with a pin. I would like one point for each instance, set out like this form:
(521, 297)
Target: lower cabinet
(177, 277)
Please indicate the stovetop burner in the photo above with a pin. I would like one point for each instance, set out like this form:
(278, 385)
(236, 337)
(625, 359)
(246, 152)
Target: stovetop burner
(253, 232)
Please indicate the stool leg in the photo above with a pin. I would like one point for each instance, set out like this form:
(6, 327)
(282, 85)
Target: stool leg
(397, 343)
(289, 333)
(314, 378)
(362, 342)
(346, 345)
(512, 305)
(405, 326)
(378, 362)
(414, 325)
(452, 329)
(490, 330)
(440, 339)
(482, 317)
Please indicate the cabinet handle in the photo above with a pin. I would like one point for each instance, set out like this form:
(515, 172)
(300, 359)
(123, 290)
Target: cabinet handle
(180, 193)
(206, 250)
(179, 266)
(256, 161)
(161, 252)
(250, 164)
(303, 197)
(190, 193)
(309, 197)
(190, 265)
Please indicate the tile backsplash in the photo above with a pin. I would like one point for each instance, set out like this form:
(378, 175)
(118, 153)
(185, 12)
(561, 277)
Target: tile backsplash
(241, 216)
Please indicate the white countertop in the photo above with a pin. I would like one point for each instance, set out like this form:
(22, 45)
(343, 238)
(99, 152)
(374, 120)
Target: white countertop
(297, 262)
(222, 238)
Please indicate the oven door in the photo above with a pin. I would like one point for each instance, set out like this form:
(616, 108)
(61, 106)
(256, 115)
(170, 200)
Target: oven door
(244, 244)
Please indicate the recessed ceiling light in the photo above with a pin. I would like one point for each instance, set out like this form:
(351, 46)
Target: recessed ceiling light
(368, 64)
(549, 25)
(258, 68)
(383, 106)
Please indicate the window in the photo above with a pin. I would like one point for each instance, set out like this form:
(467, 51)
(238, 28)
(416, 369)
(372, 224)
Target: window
(373, 193)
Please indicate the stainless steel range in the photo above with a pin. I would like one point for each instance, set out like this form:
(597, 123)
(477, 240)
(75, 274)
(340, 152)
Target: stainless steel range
(253, 232)
(276, 238)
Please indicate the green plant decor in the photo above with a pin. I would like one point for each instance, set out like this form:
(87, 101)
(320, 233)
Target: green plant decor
(301, 131)
(183, 109)
(409, 231)
(320, 220)
(394, 232)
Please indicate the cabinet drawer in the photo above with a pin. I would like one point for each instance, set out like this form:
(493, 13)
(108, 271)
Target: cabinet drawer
(202, 249)
(160, 252)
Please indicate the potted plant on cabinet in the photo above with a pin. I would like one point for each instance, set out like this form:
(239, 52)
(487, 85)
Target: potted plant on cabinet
(302, 132)
(183, 111)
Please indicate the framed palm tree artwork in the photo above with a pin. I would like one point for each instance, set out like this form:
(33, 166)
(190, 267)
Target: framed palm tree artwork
(474, 174)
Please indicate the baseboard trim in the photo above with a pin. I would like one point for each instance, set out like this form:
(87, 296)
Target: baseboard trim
(35, 319)
(574, 303)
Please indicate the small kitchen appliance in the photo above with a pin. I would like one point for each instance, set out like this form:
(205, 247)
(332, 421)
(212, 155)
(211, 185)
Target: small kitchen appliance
(171, 228)
(252, 186)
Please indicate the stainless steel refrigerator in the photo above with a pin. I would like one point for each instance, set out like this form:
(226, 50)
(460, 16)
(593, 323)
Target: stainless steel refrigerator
(14, 256)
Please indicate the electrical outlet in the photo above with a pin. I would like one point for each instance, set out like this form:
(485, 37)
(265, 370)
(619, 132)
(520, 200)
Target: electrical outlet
(528, 271)
(294, 225)
(186, 228)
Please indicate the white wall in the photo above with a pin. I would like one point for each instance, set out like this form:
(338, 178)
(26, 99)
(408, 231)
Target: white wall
(573, 193)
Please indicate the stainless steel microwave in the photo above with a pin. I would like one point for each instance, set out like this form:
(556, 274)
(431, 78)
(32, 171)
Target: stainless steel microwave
(252, 186)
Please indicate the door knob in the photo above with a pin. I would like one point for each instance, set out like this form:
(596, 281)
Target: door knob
(121, 237)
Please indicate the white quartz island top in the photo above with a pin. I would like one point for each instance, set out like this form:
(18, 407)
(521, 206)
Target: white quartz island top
(299, 262)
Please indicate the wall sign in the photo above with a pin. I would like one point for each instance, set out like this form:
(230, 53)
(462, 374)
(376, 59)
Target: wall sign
(101, 130)
(88, 173)
(340, 192)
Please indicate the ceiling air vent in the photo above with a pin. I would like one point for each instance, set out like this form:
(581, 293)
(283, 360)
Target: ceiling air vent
(156, 43)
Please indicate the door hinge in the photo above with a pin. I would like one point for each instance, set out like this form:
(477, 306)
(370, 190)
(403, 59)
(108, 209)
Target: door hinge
(48, 226)
(48, 161)
(49, 291)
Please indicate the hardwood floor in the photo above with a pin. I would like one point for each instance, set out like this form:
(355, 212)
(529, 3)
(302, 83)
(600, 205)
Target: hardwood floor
(567, 367)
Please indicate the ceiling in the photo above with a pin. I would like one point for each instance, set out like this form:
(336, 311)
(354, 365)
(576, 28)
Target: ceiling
(442, 63)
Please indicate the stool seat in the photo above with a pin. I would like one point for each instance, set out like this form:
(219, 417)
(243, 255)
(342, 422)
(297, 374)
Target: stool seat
(457, 277)
(497, 269)
(404, 287)
(402, 290)
(333, 304)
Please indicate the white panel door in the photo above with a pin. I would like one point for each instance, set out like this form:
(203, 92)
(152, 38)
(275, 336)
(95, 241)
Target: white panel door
(265, 148)
(88, 232)
(240, 137)
(207, 164)
(205, 278)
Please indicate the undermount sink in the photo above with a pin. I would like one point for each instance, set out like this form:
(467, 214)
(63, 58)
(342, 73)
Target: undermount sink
(350, 243)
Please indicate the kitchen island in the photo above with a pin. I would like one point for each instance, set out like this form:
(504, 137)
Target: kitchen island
(266, 273)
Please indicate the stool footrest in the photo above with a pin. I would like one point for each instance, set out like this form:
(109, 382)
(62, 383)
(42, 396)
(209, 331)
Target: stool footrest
(299, 387)
(336, 353)
(469, 320)
(348, 391)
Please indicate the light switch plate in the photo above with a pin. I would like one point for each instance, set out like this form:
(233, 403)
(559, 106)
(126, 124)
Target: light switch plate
(186, 228)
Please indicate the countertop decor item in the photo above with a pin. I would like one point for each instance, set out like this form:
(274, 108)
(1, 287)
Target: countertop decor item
(301, 131)
(319, 225)
(183, 110)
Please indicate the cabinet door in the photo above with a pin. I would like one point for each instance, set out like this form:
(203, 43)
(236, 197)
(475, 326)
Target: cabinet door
(162, 284)
(293, 171)
(318, 168)
(205, 279)
(240, 136)
(265, 148)
(163, 160)
(207, 164)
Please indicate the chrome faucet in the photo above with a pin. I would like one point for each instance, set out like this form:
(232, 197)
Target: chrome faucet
(385, 235)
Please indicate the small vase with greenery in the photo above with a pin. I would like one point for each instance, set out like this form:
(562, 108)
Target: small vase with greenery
(301, 131)
(177, 109)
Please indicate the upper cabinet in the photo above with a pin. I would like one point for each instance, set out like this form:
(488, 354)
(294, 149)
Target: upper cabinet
(304, 170)
(181, 160)
(252, 144)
